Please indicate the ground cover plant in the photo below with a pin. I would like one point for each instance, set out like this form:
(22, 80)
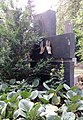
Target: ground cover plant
(21, 101)
(20, 98)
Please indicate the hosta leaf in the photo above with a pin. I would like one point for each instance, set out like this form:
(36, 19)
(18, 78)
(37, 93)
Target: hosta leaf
(34, 95)
(2, 104)
(46, 86)
(34, 110)
(3, 112)
(72, 107)
(52, 91)
(25, 105)
(68, 116)
(80, 108)
(80, 118)
(66, 86)
(40, 110)
(51, 108)
(3, 87)
(25, 94)
(56, 100)
(75, 98)
(80, 102)
(74, 88)
(70, 94)
(10, 95)
(50, 95)
(50, 117)
(18, 113)
(35, 83)
(57, 118)
(12, 81)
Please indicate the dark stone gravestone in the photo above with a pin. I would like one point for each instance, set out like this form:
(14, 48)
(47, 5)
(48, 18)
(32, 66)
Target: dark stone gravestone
(61, 46)
(47, 22)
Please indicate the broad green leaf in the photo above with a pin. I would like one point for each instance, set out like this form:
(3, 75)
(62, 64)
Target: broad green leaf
(3, 97)
(75, 98)
(10, 95)
(34, 110)
(34, 95)
(72, 107)
(25, 105)
(74, 88)
(59, 87)
(25, 94)
(18, 113)
(52, 91)
(57, 118)
(44, 100)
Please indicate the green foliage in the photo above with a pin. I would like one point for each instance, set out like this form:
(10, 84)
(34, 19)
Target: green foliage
(78, 28)
(61, 103)
(72, 10)
(17, 39)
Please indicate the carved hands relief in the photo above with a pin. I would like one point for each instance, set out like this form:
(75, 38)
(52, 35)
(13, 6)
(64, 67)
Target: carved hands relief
(47, 46)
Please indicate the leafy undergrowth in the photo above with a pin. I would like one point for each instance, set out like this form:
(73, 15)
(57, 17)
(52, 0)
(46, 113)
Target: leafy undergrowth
(21, 101)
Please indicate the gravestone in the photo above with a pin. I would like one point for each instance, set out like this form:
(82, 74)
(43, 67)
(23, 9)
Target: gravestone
(62, 46)
(47, 22)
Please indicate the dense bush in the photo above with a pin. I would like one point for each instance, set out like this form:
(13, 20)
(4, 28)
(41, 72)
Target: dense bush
(17, 38)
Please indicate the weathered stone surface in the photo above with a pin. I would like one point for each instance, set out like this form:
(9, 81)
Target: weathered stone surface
(63, 46)
(47, 22)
